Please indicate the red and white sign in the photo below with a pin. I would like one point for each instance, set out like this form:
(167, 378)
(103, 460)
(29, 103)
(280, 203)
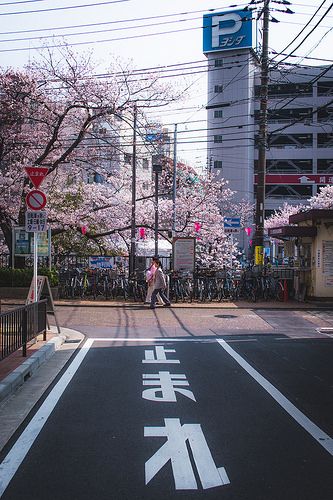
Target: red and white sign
(36, 174)
(36, 200)
(297, 179)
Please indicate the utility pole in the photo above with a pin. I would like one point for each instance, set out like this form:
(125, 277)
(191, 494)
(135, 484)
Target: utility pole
(133, 214)
(261, 174)
(157, 169)
(174, 182)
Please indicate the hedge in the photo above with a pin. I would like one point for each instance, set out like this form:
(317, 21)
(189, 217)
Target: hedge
(23, 277)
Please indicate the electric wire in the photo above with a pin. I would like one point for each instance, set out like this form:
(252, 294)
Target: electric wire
(303, 29)
(96, 4)
(21, 1)
(311, 31)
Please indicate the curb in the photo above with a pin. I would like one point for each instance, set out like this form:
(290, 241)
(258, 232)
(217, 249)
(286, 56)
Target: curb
(23, 372)
(290, 305)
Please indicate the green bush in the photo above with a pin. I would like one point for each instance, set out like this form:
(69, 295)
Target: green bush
(23, 277)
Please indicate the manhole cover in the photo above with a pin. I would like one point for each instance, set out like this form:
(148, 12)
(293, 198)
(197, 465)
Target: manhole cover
(225, 316)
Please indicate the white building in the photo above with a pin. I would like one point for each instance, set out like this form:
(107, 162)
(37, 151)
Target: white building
(299, 158)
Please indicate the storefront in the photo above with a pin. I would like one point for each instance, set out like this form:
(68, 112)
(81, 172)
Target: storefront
(310, 237)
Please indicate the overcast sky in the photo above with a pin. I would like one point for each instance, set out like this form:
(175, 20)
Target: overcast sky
(122, 28)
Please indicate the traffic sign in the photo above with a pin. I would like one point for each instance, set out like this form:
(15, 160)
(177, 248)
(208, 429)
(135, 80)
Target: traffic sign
(36, 174)
(36, 221)
(231, 224)
(36, 200)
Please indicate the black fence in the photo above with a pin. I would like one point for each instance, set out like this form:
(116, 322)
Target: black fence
(72, 261)
(20, 326)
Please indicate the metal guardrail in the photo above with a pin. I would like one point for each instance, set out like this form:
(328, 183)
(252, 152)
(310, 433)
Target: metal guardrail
(20, 326)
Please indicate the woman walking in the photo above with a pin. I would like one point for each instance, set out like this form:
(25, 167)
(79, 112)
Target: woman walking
(150, 280)
(159, 286)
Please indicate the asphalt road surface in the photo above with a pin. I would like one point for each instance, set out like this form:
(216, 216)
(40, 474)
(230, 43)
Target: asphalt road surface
(241, 415)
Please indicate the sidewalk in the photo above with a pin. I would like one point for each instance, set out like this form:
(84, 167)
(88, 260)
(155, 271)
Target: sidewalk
(16, 369)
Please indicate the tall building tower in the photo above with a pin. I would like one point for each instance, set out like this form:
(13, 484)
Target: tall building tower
(299, 158)
(227, 44)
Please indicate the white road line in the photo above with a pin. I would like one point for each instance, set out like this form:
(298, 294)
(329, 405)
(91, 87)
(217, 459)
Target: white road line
(209, 338)
(318, 434)
(15, 457)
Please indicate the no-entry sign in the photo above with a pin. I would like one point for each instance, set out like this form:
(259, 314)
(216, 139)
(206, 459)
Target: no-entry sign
(36, 200)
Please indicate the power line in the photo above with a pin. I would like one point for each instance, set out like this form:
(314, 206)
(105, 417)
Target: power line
(101, 41)
(80, 33)
(22, 1)
(310, 32)
(299, 34)
(109, 22)
(62, 8)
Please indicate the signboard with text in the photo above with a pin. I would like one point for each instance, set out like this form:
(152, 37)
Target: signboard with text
(35, 221)
(183, 250)
(101, 262)
(231, 224)
(308, 179)
(227, 30)
(23, 241)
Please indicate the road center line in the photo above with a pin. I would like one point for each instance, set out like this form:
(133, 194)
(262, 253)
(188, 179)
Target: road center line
(16, 455)
(318, 434)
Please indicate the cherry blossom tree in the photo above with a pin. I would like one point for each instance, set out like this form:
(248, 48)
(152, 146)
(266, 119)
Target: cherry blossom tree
(105, 210)
(281, 216)
(49, 115)
(52, 114)
(323, 199)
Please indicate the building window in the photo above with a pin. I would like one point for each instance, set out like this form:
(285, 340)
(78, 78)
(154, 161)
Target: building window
(218, 89)
(217, 138)
(218, 63)
(218, 113)
(217, 164)
(145, 164)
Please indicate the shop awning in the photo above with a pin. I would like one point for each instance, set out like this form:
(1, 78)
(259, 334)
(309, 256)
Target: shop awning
(312, 215)
(288, 232)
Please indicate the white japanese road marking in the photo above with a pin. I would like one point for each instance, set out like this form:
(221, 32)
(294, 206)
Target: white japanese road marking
(159, 356)
(166, 389)
(15, 457)
(318, 434)
(176, 451)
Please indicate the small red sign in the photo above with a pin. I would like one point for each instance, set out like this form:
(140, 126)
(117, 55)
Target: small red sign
(36, 200)
(36, 174)
(305, 179)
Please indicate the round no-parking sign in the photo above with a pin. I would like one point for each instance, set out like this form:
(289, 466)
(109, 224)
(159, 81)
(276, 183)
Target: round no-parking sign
(36, 200)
